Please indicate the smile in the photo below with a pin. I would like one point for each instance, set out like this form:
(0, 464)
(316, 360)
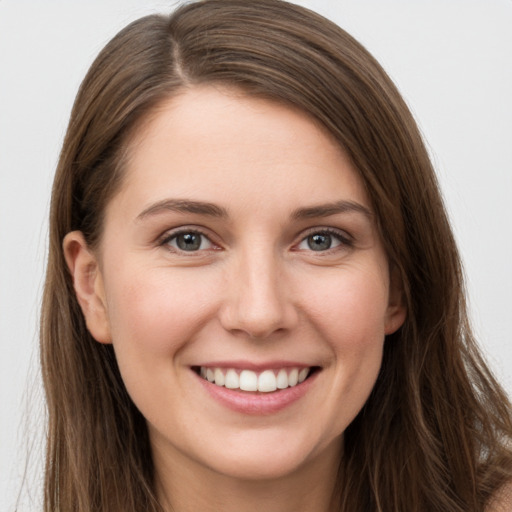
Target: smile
(266, 381)
(259, 390)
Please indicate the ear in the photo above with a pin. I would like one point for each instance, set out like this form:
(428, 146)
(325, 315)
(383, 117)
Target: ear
(396, 312)
(88, 284)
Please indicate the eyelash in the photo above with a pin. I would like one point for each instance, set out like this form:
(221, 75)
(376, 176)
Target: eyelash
(344, 240)
(168, 237)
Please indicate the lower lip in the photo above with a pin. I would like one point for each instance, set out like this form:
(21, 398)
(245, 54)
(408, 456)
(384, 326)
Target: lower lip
(257, 403)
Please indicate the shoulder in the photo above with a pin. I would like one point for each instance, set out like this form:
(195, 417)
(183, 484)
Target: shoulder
(502, 500)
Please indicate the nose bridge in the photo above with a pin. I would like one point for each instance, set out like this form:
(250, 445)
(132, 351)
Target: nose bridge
(257, 300)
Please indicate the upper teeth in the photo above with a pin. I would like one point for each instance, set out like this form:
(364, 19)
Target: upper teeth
(247, 380)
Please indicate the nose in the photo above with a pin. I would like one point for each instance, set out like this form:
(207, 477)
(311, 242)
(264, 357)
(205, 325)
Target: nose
(257, 297)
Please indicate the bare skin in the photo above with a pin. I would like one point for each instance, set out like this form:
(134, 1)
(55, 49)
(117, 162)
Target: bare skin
(241, 239)
(194, 487)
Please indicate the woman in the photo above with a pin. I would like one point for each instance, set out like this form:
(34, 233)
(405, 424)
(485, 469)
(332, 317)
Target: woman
(253, 299)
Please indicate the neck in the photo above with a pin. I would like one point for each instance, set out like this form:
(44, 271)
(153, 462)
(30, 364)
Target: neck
(187, 486)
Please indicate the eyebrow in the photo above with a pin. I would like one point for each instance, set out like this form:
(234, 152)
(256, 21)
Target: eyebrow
(184, 206)
(213, 210)
(325, 210)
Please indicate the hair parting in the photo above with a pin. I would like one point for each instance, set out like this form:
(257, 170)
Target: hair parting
(435, 433)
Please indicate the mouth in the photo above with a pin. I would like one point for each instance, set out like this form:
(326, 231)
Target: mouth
(267, 381)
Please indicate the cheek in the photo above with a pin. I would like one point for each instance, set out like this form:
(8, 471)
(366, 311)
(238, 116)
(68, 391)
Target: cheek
(350, 308)
(154, 312)
(351, 321)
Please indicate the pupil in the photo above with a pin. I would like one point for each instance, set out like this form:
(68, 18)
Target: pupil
(188, 241)
(319, 242)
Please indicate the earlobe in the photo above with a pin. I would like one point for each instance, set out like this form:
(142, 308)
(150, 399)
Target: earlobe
(397, 311)
(395, 319)
(88, 284)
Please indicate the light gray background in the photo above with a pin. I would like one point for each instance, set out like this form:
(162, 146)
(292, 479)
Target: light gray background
(452, 60)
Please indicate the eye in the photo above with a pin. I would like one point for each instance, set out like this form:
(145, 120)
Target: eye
(323, 240)
(188, 241)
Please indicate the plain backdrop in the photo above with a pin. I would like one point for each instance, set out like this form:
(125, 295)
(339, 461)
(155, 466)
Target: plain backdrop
(452, 61)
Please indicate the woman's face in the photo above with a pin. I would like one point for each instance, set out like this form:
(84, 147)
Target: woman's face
(241, 247)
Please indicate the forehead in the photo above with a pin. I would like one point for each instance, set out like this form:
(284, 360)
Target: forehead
(217, 144)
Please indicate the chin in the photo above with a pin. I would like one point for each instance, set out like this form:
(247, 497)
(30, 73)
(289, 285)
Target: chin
(258, 459)
(259, 467)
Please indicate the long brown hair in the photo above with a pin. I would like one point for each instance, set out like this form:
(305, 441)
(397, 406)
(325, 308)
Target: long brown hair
(435, 433)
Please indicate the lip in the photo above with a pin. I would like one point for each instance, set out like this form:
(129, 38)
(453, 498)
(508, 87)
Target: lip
(255, 367)
(254, 403)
